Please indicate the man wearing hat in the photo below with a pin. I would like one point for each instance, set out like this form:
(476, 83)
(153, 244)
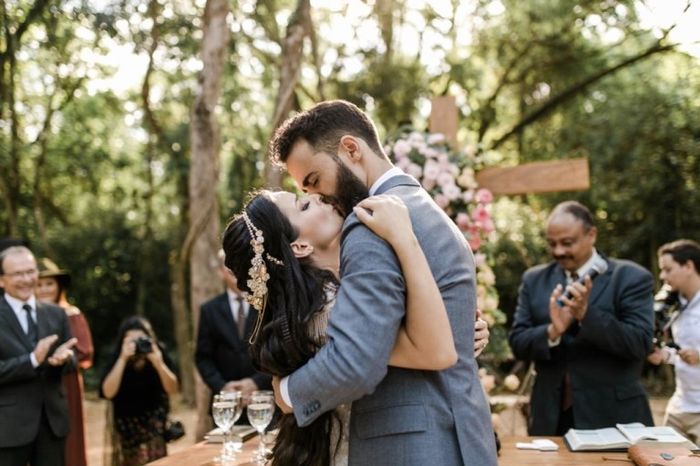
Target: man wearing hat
(35, 348)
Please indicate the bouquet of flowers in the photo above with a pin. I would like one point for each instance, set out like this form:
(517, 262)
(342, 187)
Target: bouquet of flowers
(449, 177)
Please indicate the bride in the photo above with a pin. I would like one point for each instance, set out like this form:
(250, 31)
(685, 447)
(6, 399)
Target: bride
(284, 251)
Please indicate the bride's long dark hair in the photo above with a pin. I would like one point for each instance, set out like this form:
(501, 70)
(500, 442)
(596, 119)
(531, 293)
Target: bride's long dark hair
(296, 292)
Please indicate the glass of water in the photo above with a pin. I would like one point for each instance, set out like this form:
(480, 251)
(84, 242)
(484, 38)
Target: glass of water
(260, 411)
(233, 443)
(224, 412)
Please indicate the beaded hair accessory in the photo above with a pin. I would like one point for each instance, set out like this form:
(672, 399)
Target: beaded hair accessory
(257, 274)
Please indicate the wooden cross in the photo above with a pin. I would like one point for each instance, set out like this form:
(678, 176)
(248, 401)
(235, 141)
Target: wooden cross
(535, 177)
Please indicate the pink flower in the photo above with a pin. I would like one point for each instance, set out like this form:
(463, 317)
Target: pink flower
(474, 242)
(487, 226)
(441, 200)
(479, 259)
(484, 196)
(468, 196)
(463, 221)
(480, 214)
(431, 153)
(401, 148)
(428, 183)
(403, 163)
(414, 170)
(431, 170)
(436, 138)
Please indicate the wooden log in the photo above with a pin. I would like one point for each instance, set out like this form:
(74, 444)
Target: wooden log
(536, 177)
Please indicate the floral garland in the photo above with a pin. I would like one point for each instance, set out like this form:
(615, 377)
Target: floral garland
(450, 179)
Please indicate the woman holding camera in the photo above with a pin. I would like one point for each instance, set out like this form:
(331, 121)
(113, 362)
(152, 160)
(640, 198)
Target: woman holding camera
(138, 381)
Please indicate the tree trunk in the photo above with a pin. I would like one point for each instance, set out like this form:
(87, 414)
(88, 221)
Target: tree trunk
(204, 231)
(298, 29)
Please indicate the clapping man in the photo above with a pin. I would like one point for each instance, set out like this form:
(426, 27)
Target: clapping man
(35, 349)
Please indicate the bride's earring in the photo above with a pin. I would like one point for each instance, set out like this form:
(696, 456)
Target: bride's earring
(301, 249)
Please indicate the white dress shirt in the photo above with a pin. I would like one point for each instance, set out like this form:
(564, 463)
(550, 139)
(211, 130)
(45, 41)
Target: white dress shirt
(21, 314)
(686, 333)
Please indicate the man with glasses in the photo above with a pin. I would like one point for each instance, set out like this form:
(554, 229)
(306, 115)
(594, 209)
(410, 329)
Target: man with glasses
(589, 348)
(35, 349)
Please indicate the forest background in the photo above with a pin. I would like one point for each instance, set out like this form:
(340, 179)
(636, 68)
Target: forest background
(131, 130)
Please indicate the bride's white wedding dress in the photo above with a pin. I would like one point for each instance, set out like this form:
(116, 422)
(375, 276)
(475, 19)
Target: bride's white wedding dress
(317, 329)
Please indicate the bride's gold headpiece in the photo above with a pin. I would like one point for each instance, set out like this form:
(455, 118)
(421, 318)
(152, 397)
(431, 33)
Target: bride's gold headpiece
(257, 274)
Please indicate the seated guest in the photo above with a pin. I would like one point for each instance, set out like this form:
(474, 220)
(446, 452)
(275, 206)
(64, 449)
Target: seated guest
(138, 380)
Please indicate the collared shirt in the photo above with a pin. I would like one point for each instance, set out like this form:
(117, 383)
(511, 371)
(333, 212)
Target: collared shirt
(392, 172)
(686, 333)
(233, 304)
(21, 314)
(581, 271)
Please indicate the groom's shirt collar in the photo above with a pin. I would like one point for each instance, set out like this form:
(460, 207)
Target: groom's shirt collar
(392, 172)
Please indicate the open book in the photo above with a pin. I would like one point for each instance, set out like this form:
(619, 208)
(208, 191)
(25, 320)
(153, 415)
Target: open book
(242, 430)
(622, 436)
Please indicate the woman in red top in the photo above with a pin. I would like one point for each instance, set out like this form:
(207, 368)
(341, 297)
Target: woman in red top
(51, 288)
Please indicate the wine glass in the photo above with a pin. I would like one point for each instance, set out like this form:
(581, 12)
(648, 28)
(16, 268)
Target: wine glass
(271, 430)
(223, 412)
(233, 443)
(260, 411)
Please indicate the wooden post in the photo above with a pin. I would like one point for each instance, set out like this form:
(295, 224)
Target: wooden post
(443, 118)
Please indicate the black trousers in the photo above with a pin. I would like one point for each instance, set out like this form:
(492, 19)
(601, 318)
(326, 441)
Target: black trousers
(45, 450)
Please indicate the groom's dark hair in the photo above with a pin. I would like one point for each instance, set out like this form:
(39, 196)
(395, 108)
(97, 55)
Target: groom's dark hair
(296, 293)
(322, 126)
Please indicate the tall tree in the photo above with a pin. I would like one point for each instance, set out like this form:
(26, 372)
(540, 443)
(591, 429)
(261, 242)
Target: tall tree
(202, 240)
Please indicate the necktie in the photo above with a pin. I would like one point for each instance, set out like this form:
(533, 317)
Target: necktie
(32, 331)
(241, 317)
(567, 396)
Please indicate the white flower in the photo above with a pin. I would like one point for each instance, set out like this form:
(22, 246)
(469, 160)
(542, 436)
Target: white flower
(431, 170)
(403, 163)
(436, 138)
(428, 183)
(451, 191)
(480, 259)
(486, 276)
(414, 170)
(445, 179)
(466, 179)
(415, 138)
(401, 148)
(511, 382)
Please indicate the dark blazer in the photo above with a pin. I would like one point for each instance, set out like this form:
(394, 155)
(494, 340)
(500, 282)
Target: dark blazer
(23, 389)
(603, 355)
(221, 355)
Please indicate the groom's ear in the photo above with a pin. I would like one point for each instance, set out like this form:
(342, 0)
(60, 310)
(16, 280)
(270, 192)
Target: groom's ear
(350, 146)
(301, 249)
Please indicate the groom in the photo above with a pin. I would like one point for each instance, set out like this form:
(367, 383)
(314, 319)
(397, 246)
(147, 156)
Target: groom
(399, 416)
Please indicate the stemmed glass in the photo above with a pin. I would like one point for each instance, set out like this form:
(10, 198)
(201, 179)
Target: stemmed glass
(223, 410)
(260, 411)
(233, 443)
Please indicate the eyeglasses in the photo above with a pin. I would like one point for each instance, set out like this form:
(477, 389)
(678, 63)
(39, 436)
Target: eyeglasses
(22, 273)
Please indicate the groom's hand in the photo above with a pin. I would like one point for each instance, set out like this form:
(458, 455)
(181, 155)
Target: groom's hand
(286, 409)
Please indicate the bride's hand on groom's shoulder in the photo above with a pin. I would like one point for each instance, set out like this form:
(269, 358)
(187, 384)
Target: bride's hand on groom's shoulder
(386, 215)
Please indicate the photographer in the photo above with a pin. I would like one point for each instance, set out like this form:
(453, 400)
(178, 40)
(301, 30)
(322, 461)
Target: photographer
(138, 381)
(679, 262)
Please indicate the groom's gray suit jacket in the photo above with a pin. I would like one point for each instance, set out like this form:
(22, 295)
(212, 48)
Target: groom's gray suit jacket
(399, 416)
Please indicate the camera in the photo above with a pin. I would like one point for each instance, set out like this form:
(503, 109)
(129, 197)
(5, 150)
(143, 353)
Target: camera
(144, 345)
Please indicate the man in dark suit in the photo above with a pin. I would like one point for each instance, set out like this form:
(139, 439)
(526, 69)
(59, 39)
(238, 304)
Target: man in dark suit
(222, 358)
(35, 348)
(589, 352)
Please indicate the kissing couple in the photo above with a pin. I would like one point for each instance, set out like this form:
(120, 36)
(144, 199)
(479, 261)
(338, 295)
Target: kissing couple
(366, 299)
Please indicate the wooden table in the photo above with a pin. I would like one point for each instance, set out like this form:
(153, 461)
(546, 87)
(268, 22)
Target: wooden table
(511, 456)
(202, 454)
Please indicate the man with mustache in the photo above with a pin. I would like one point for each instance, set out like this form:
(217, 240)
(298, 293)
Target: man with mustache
(589, 350)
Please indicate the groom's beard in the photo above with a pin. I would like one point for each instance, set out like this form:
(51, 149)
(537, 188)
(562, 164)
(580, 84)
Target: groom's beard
(349, 191)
